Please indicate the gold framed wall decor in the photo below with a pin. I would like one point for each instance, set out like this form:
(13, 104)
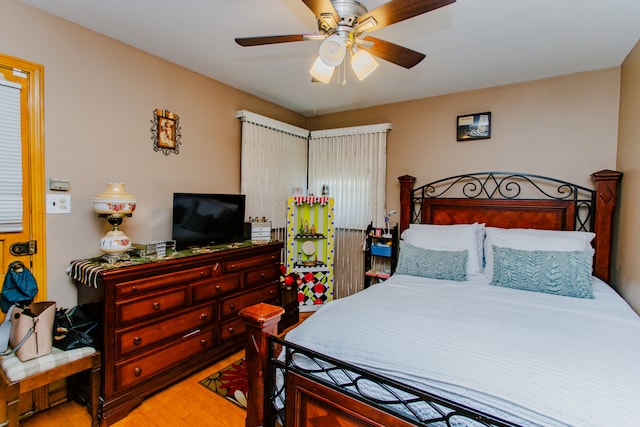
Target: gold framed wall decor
(165, 131)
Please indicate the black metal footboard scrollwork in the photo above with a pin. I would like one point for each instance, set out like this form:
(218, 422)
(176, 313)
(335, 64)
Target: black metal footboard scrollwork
(509, 186)
(413, 406)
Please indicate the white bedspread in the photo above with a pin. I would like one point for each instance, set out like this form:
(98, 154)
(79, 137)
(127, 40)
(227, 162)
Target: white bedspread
(548, 359)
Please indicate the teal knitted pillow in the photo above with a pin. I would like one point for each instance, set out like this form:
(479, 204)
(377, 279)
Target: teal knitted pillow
(446, 265)
(552, 272)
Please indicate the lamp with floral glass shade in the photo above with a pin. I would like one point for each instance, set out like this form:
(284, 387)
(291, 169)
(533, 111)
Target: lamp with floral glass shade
(114, 204)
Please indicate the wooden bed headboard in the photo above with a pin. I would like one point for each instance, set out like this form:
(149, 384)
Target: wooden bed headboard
(516, 200)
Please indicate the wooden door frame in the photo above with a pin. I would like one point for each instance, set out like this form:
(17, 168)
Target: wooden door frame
(35, 138)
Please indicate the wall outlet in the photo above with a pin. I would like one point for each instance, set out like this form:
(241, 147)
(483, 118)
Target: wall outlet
(58, 203)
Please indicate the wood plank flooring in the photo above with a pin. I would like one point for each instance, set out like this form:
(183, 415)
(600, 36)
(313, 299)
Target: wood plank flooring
(184, 404)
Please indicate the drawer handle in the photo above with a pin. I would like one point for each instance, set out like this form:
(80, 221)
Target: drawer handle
(203, 343)
(232, 330)
(271, 292)
(218, 288)
(233, 267)
(232, 306)
(262, 275)
(203, 316)
(134, 288)
(156, 306)
(201, 273)
(137, 340)
(137, 371)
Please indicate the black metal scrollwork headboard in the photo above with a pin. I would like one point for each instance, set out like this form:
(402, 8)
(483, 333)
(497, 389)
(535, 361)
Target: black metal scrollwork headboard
(510, 200)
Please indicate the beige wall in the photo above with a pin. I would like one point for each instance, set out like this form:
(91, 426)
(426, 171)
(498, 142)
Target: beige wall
(628, 260)
(564, 127)
(99, 97)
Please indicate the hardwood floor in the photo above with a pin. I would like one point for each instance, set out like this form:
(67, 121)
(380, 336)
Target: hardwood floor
(184, 404)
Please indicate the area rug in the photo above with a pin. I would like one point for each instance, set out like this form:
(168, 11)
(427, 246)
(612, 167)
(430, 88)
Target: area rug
(230, 383)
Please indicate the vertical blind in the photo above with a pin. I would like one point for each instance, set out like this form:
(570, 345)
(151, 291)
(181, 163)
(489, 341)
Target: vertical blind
(274, 160)
(10, 158)
(352, 163)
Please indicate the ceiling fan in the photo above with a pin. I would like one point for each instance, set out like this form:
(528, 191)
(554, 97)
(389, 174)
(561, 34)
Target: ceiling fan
(344, 26)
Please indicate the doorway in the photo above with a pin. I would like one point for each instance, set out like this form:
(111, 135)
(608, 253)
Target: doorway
(28, 245)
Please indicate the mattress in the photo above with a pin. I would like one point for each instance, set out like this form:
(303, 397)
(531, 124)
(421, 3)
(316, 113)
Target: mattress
(534, 358)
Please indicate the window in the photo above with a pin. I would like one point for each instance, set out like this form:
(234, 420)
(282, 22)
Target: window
(274, 160)
(11, 148)
(351, 162)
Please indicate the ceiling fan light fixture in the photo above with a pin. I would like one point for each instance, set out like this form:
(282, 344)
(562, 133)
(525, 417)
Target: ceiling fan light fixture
(332, 50)
(363, 64)
(321, 71)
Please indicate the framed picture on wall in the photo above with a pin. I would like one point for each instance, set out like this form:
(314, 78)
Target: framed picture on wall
(474, 126)
(165, 131)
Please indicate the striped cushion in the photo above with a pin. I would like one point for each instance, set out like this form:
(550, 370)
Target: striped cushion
(16, 370)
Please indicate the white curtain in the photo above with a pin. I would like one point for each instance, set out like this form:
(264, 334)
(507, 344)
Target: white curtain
(10, 158)
(274, 160)
(351, 162)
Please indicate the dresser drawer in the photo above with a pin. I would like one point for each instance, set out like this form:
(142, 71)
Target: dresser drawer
(261, 276)
(138, 287)
(231, 329)
(136, 371)
(231, 305)
(140, 338)
(212, 288)
(154, 305)
(244, 263)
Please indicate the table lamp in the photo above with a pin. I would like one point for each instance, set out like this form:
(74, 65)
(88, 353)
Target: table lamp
(114, 204)
(388, 235)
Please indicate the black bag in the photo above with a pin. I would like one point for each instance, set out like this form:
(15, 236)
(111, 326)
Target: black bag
(19, 287)
(74, 329)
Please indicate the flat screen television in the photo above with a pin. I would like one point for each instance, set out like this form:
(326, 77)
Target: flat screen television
(207, 219)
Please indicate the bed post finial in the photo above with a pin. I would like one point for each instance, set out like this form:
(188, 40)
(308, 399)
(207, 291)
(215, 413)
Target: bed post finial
(406, 204)
(261, 321)
(606, 187)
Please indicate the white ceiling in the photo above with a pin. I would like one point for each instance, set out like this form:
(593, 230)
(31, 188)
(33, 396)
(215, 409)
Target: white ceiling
(469, 44)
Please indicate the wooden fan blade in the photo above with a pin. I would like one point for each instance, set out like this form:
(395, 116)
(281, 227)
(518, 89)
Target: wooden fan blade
(320, 7)
(399, 10)
(391, 52)
(259, 41)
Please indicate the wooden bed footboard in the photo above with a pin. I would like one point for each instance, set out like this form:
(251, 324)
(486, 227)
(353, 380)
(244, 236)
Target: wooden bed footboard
(326, 391)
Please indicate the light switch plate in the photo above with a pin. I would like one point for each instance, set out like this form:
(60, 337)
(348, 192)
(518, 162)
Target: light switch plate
(58, 203)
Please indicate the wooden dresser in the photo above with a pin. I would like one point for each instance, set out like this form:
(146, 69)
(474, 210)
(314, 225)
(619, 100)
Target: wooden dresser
(163, 321)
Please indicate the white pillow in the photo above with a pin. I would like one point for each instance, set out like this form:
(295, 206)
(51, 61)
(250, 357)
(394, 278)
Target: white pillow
(530, 239)
(456, 237)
